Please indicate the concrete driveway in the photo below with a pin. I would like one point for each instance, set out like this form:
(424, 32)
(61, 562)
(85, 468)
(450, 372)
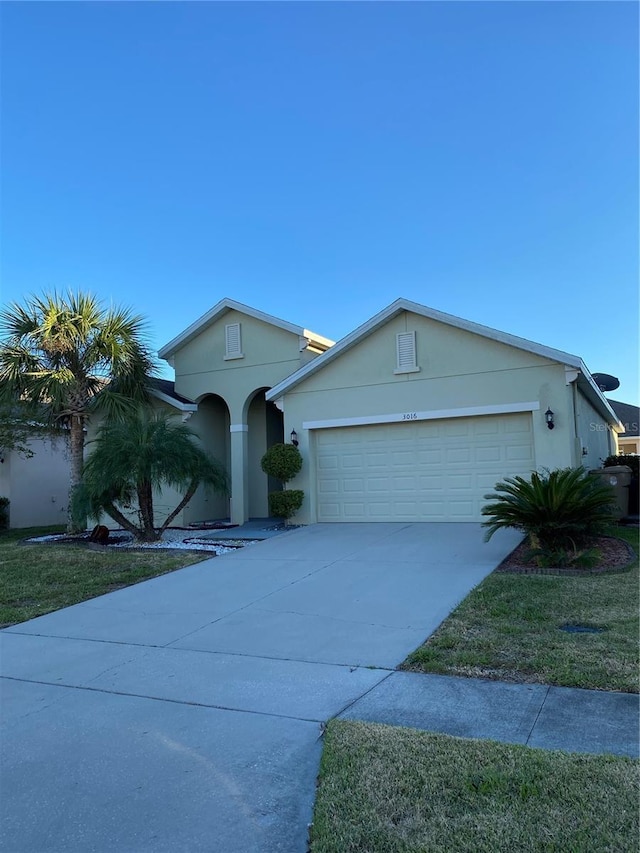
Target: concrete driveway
(184, 713)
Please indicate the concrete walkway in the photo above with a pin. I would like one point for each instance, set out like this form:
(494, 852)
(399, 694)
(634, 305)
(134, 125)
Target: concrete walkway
(185, 713)
(255, 528)
(592, 721)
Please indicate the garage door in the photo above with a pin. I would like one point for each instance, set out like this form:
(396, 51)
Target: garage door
(420, 471)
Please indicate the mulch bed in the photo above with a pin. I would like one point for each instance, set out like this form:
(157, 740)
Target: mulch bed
(615, 556)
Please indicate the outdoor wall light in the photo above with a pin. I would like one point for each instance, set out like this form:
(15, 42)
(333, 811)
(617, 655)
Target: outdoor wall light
(294, 438)
(548, 416)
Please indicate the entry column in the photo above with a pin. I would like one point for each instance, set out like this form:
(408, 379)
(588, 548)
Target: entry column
(239, 473)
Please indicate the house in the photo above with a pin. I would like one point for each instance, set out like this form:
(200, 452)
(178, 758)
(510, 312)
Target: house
(414, 416)
(629, 416)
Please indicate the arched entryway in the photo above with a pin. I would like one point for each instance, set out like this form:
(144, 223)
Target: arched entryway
(265, 427)
(211, 424)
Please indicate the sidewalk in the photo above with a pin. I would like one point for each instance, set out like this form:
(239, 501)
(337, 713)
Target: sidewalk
(536, 715)
(255, 528)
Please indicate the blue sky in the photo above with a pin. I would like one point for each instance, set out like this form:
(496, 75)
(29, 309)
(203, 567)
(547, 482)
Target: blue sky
(318, 160)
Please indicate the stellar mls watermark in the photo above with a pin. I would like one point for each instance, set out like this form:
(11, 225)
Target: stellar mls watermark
(629, 428)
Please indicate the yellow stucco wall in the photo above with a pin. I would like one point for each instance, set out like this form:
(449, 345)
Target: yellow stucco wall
(38, 487)
(270, 355)
(593, 434)
(458, 369)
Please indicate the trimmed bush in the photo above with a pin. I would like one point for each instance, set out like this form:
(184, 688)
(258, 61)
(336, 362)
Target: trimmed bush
(286, 503)
(558, 510)
(282, 461)
(4, 513)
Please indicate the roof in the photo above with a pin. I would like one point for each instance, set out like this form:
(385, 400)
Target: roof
(164, 389)
(587, 385)
(628, 414)
(224, 306)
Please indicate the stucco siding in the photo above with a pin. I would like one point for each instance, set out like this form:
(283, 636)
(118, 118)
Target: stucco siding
(211, 425)
(442, 351)
(257, 445)
(593, 433)
(269, 355)
(38, 487)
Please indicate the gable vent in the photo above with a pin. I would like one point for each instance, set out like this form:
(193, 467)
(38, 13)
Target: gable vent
(406, 352)
(233, 341)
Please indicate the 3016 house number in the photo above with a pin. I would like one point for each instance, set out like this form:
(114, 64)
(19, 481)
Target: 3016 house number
(410, 416)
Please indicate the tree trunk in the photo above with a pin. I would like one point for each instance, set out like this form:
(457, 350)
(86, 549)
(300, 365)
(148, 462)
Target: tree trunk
(121, 519)
(76, 441)
(145, 503)
(185, 500)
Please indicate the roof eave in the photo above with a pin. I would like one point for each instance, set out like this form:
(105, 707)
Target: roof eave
(449, 319)
(221, 308)
(597, 398)
(343, 345)
(171, 401)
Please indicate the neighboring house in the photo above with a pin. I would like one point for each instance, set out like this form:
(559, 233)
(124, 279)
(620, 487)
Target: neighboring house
(37, 486)
(629, 440)
(414, 416)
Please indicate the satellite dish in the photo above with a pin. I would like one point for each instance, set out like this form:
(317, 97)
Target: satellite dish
(605, 382)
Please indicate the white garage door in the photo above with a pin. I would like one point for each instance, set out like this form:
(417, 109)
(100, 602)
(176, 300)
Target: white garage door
(420, 471)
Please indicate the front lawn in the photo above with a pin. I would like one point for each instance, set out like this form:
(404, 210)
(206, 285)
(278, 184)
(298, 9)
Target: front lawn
(509, 628)
(36, 579)
(392, 790)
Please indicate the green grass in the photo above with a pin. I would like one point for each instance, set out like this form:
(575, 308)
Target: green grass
(508, 628)
(392, 790)
(39, 578)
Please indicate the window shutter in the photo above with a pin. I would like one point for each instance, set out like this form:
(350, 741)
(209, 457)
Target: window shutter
(406, 350)
(233, 342)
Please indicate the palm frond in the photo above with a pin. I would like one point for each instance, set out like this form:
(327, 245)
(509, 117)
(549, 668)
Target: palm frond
(142, 451)
(57, 347)
(554, 507)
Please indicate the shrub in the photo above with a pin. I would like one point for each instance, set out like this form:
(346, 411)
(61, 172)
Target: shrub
(282, 461)
(286, 503)
(4, 513)
(558, 510)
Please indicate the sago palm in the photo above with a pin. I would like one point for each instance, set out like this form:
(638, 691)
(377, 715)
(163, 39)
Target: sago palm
(71, 357)
(556, 509)
(137, 455)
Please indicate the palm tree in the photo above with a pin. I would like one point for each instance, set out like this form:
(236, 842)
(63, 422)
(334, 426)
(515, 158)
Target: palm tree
(71, 357)
(137, 454)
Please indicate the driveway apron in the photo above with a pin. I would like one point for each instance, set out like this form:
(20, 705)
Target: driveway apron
(185, 713)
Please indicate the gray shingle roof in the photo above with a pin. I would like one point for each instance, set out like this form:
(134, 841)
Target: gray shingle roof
(628, 414)
(167, 387)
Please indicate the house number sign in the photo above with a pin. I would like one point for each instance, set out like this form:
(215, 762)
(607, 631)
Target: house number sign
(410, 416)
